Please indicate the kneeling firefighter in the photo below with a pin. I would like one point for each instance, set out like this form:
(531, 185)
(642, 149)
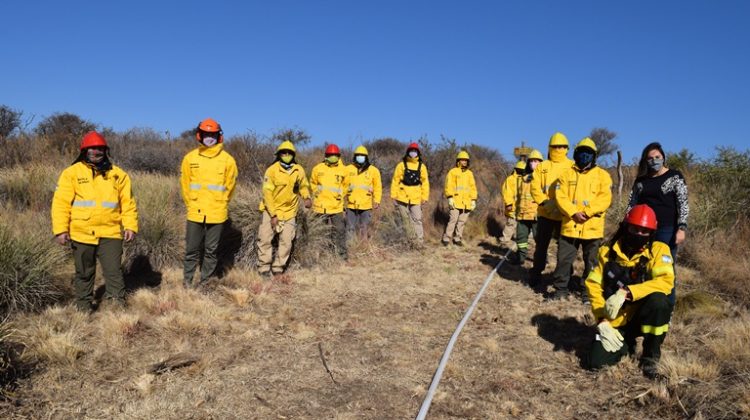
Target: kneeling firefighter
(629, 291)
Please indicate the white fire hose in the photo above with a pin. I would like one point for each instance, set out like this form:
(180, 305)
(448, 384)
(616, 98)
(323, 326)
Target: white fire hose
(447, 353)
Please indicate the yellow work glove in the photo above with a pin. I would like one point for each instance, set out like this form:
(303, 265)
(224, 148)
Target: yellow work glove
(279, 226)
(473, 205)
(609, 336)
(614, 303)
(450, 203)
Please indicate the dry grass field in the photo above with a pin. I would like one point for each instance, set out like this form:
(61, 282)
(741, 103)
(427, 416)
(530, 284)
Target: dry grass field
(249, 348)
(359, 339)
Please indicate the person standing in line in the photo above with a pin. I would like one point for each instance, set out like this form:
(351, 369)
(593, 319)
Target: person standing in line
(208, 176)
(666, 192)
(410, 189)
(329, 182)
(584, 193)
(364, 193)
(93, 209)
(525, 208)
(509, 191)
(542, 189)
(461, 192)
(283, 183)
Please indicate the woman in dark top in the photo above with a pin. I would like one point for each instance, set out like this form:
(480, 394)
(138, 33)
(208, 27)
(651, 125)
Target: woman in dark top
(665, 191)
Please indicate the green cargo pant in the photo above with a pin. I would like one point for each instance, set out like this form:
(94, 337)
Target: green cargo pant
(523, 229)
(567, 248)
(201, 239)
(650, 321)
(109, 254)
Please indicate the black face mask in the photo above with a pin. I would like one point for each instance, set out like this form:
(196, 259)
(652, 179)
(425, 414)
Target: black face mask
(583, 158)
(632, 244)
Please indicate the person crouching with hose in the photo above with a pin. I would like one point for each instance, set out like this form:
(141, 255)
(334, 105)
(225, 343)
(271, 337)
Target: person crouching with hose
(629, 291)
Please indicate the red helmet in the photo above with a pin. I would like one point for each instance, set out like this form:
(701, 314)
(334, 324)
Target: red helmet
(413, 146)
(332, 149)
(93, 139)
(643, 216)
(209, 125)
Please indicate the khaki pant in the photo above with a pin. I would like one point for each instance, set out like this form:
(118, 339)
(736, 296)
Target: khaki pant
(456, 224)
(413, 214)
(266, 260)
(508, 231)
(109, 254)
(201, 239)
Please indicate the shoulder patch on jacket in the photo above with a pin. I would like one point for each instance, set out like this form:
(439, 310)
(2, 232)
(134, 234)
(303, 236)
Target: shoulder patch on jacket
(666, 259)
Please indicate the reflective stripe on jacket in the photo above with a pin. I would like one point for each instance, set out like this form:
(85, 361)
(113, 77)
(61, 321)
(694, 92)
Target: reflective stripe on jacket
(589, 192)
(365, 188)
(459, 184)
(89, 205)
(410, 194)
(544, 177)
(281, 190)
(208, 177)
(659, 268)
(328, 184)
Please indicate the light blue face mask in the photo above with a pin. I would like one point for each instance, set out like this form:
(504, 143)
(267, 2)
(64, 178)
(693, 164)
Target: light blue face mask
(655, 164)
(360, 159)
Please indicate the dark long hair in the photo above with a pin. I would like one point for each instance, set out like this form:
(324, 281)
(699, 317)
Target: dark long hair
(643, 164)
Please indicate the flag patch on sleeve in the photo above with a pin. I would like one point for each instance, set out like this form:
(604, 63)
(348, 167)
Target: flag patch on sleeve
(666, 259)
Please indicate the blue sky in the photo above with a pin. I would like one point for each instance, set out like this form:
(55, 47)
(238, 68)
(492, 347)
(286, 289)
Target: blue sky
(486, 72)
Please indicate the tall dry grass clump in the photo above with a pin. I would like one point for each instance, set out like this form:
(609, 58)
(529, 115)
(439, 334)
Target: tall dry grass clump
(29, 186)
(160, 240)
(29, 262)
(56, 336)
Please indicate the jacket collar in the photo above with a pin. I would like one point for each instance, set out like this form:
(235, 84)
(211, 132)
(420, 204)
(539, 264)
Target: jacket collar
(212, 151)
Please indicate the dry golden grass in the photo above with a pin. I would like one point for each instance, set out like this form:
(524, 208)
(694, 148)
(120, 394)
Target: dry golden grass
(56, 336)
(382, 321)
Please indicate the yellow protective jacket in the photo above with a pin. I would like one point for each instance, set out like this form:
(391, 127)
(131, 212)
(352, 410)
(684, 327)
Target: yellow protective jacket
(281, 190)
(660, 278)
(517, 192)
(90, 205)
(544, 177)
(459, 184)
(589, 192)
(410, 194)
(365, 188)
(208, 177)
(329, 184)
(509, 191)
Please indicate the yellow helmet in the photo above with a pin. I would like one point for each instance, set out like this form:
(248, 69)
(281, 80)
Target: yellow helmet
(360, 150)
(535, 154)
(463, 154)
(587, 142)
(286, 145)
(520, 165)
(558, 139)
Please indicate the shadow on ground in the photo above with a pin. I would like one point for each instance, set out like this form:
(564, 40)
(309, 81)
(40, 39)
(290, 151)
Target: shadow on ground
(567, 334)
